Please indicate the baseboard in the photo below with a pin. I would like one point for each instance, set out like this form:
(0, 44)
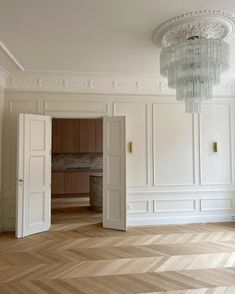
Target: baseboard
(148, 221)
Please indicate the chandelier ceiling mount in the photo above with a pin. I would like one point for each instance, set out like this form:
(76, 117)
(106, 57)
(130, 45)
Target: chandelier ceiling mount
(194, 54)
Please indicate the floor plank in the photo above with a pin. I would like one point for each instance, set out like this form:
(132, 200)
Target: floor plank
(78, 256)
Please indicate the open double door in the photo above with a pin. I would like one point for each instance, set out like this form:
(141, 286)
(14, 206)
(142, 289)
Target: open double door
(33, 205)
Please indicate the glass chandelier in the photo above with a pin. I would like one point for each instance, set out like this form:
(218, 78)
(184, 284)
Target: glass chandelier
(193, 67)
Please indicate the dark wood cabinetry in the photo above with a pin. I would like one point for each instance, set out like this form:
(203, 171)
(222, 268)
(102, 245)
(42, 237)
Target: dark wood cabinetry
(77, 135)
(76, 182)
(66, 182)
(87, 135)
(57, 183)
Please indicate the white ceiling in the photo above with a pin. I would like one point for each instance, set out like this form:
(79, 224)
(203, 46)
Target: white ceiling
(98, 36)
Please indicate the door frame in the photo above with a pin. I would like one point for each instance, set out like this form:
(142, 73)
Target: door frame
(78, 115)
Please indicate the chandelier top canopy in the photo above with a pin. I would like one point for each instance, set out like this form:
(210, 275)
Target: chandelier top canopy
(209, 24)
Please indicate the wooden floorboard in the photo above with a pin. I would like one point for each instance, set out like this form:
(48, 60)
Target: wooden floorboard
(78, 256)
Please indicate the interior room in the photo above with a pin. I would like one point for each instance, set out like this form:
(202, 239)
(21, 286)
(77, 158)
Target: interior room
(76, 170)
(117, 146)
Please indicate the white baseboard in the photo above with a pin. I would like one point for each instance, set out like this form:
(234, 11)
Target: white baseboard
(148, 221)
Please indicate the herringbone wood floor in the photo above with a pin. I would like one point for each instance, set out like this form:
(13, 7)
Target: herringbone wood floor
(79, 256)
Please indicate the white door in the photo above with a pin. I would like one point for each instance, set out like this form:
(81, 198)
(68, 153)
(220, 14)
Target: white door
(33, 205)
(114, 177)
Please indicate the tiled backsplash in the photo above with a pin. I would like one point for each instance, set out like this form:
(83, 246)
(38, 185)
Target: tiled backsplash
(63, 161)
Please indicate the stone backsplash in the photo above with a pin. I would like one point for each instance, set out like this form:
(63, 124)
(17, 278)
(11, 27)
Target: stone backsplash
(81, 160)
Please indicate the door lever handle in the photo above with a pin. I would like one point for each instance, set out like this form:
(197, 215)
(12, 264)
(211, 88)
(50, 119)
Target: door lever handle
(20, 180)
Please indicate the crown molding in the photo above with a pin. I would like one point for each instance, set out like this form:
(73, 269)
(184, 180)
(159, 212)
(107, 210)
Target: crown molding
(101, 83)
(3, 77)
(11, 56)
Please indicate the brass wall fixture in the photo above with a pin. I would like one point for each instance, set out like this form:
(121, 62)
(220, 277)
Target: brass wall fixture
(130, 147)
(215, 147)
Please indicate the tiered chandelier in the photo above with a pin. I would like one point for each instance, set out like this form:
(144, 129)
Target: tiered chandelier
(194, 54)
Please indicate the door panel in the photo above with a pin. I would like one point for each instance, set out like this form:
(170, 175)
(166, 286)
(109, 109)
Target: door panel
(99, 135)
(114, 173)
(34, 175)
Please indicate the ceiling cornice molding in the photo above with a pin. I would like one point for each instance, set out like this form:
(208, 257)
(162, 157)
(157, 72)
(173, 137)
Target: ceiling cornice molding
(11, 56)
(101, 83)
(3, 77)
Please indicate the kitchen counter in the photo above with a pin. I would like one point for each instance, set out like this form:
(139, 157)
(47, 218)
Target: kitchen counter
(96, 191)
(96, 174)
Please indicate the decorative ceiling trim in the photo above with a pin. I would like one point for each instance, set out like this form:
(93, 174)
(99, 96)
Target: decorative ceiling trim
(205, 23)
(109, 84)
(11, 56)
(3, 77)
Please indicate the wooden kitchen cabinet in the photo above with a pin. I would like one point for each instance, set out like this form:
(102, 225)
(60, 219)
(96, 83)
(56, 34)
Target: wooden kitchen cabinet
(57, 183)
(77, 135)
(76, 182)
(69, 182)
(87, 135)
(65, 136)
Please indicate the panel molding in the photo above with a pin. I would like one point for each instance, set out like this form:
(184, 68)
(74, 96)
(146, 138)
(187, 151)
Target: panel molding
(147, 137)
(194, 167)
(145, 202)
(193, 200)
(230, 148)
(215, 199)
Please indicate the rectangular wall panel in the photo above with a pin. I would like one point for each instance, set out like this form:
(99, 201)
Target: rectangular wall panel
(173, 145)
(174, 205)
(215, 127)
(138, 206)
(136, 133)
(216, 204)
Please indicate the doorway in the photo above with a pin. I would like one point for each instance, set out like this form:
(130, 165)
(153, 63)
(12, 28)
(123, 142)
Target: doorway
(33, 184)
(76, 172)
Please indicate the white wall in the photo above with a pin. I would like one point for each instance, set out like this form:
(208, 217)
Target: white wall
(173, 175)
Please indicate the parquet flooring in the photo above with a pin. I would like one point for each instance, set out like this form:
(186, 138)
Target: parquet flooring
(78, 256)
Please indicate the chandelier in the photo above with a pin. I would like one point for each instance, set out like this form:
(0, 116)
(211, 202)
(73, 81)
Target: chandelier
(194, 54)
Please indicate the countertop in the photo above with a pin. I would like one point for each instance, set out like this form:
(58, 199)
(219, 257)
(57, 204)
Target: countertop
(80, 169)
(96, 174)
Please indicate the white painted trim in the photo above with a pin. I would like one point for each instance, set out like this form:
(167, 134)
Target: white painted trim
(109, 83)
(151, 221)
(147, 113)
(202, 183)
(131, 202)
(155, 210)
(155, 184)
(3, 77)
(216, 209)
(10, 55)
